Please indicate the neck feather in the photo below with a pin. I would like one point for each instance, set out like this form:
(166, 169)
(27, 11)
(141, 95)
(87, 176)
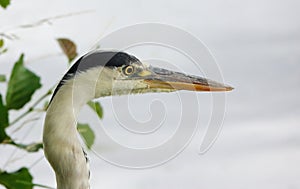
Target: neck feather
(61, 144)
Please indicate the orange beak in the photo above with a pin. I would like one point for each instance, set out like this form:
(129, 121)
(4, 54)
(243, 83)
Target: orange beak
(158, 78)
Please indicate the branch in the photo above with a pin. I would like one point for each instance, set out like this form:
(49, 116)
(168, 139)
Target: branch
(31, 108)
(48, 20)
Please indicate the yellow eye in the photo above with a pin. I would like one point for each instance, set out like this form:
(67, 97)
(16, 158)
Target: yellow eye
(128, 70)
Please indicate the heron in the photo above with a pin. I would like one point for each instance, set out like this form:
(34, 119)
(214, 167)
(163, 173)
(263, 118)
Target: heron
(94, 75)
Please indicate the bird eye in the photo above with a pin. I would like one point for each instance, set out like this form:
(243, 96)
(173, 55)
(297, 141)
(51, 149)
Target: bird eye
(128, 70)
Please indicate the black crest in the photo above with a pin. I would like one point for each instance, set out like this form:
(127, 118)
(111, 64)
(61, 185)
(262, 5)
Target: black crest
(95, 59)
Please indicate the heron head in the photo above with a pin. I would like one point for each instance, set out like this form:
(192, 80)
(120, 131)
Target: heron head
(118, 73)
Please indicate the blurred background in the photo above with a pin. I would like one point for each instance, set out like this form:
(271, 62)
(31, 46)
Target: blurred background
(257, 47)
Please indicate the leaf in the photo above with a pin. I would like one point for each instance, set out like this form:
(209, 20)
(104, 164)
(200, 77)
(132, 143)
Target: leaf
(69, 48)
(4, 114)
(96, 106)
(1, 42)
(4, 3)
(3, 120)
(16, 180)
(3, 51)
(3, 136)
(87, 133)
(2, 78)
(21, 86)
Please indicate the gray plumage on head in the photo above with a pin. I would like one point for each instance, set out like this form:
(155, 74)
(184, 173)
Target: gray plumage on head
(95, 59)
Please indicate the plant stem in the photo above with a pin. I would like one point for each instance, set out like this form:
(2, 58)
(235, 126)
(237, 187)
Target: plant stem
(31, 108)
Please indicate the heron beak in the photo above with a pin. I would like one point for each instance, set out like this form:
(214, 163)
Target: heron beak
(158, 78)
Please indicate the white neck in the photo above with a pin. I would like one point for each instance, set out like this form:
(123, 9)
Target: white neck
(61, 144)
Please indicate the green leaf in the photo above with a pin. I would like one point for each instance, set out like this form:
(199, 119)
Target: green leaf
(20, 179)
(3, 114)
(2, 78)
(3, 136)
(3, 51)
(3, 120)
(87, 133)
(1, 42)
(4, 3)
(21, 85)
(96, 106)
(69, 48)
